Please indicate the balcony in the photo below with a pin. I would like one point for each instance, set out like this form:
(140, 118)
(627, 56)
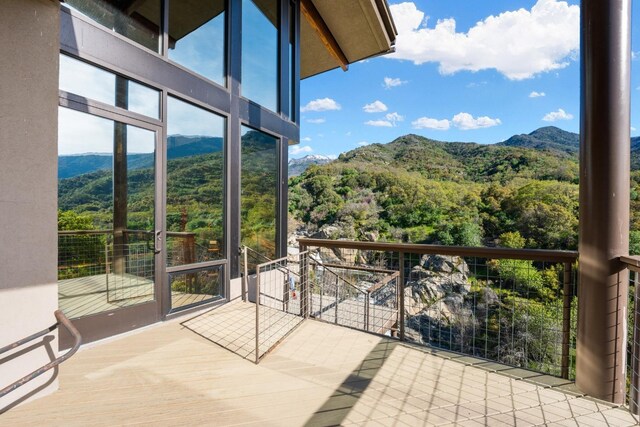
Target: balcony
(340, 336)
(320, 375)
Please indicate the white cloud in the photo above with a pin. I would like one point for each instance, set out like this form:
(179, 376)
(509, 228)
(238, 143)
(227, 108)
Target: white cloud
(379, 123)
(306, 139)
(348, 133)
(518, 44)
(390, 82)
(476, 84)
(554, 116)
(363, 143)
(375, 107)
(429, 123)
(321, 104)
(394, 117)
(465, 121)
(294, 150)
(332, 156)
(316, 121)
(535, 94)
(633, 129)
(635, 55)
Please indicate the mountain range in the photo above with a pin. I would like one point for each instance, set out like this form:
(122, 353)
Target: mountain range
(546, 153)
(178, 146)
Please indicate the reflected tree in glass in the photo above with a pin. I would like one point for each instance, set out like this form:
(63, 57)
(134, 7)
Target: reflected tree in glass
(259, 191)
(195, 184)
(106, 201)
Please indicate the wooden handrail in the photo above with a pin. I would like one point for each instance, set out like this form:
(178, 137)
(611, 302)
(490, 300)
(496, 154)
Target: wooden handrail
(61, 320)
(463, 251)
(381, 283)
(632, 262)
(97, 232)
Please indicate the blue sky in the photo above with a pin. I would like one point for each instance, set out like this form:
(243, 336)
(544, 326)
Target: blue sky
(460, 73)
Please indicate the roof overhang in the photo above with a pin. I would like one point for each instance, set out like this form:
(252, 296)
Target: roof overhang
(342, 32)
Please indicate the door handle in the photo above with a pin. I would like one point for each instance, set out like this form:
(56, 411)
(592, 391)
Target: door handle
(158, 241)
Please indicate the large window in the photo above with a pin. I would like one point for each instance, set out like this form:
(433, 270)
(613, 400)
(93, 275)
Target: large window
(259, 191)
(106, 202)
(136, 20)
(170, 221)
(260, 52)
(195, 184)
(94, 83)
(197, 36)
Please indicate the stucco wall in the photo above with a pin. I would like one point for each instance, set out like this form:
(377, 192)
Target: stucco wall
(28, 189)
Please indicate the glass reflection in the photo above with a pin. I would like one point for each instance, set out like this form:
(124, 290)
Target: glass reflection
(259, 190)
(106, 200)
(195, 287)
(260, 52)
(197, 37)
(94, 83)
(136, 20)
(195, 184)
(292, 35)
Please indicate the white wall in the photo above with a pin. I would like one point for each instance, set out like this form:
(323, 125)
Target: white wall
(28, 189)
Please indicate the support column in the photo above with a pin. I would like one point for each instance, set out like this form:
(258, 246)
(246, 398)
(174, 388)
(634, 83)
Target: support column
(604, 197)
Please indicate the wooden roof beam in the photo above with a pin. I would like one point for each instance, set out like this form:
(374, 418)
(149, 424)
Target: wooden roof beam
(312, 16)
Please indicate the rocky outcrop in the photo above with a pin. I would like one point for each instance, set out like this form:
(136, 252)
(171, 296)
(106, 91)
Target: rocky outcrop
(440, 303)
(437, 286)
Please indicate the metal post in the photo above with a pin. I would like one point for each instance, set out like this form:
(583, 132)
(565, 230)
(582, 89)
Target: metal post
(401, 305)
(304, 282)
(366, 311)
(257, 314)
(604, 197)
(566, 320)
(634, 394)
(245, 282)
(321, 311)
(336, 309)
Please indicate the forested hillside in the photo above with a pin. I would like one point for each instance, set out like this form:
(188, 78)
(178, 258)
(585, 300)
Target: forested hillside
(420, 190)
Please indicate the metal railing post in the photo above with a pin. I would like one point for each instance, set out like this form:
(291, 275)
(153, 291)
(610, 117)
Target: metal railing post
(566, 321)
(634, 392)
(367, 306)
(245, 282)
(321, 311)
(336, 309)
(257, 314)
(401, 297)
(304, 283)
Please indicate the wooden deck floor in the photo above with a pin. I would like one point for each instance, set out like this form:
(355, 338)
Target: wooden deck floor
(88, 295)
(321, 374)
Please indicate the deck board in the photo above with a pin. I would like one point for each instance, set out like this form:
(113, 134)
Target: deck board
(320, 374)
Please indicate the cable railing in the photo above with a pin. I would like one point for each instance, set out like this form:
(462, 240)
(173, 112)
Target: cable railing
(61, 319)
(632, 263)
(514, 306)
(279, 305)
(358, 298)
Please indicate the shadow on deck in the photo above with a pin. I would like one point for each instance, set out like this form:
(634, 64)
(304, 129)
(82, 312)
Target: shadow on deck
(319, 375)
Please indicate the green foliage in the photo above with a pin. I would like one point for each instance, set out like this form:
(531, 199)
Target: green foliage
(420, 190)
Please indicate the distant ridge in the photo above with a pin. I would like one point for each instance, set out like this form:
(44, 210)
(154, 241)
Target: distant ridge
(178, 146)
(546, 138)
